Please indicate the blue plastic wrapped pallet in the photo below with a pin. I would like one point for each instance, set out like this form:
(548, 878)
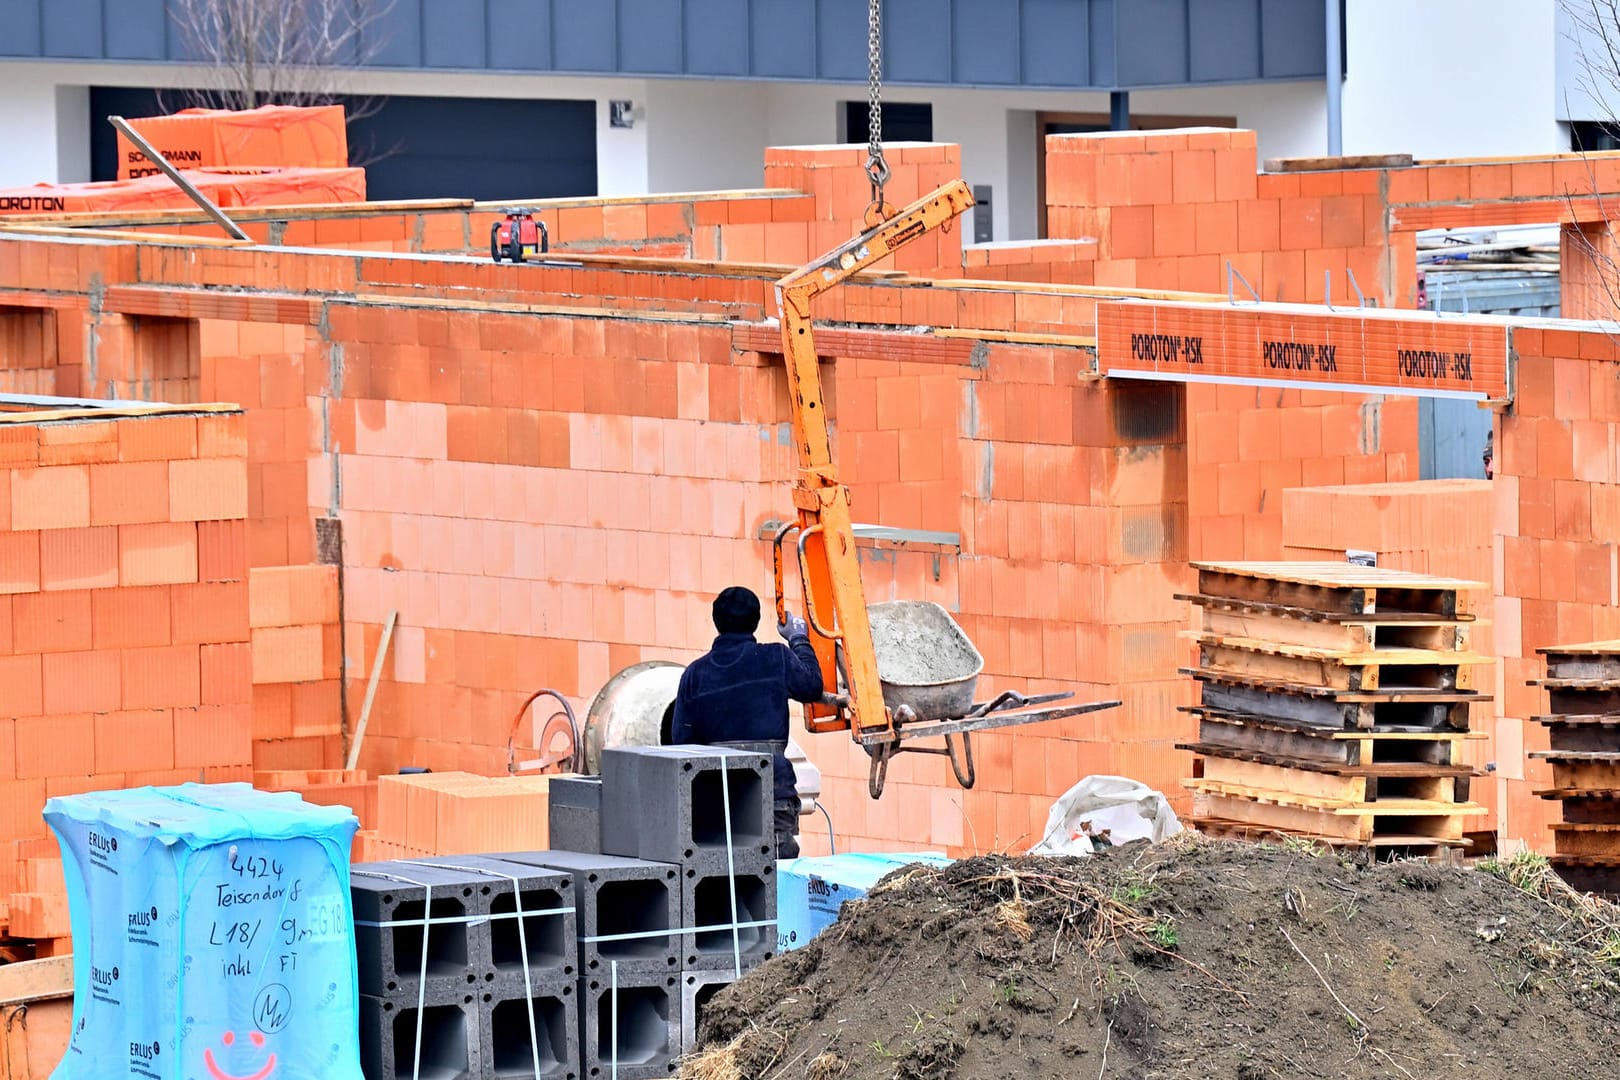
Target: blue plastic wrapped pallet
(810, 891)
(212, 935)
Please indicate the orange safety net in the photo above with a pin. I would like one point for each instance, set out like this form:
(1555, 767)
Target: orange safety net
(227, 187)
(270, 136)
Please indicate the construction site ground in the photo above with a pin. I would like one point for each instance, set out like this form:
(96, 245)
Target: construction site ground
(1193, 958)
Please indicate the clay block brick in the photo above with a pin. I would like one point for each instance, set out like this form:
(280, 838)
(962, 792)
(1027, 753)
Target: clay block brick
(130, 617)
(57, 497)
(78, 558)
(78, 443)
(129, 493)
(134, 741)
(208, 612)
(157, 438)
(51, 622)
(19, 562)
(20, 686)
(59, 745)
(210, 489)
(223, 436)
(222, 551)
(212, 736)
(158, 554)
(87, 682)
(164, 676)
(284, 654)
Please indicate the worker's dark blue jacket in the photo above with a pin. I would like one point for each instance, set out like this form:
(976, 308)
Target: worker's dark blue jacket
(739, 693)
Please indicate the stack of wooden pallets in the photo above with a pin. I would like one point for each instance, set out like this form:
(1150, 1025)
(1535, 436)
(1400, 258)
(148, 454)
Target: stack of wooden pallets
(1335, 702)
(1583, 727)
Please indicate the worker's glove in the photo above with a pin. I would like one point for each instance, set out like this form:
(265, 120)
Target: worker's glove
(793, 627)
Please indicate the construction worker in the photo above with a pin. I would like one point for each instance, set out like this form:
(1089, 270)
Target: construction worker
(1490, 455)
(737, 696)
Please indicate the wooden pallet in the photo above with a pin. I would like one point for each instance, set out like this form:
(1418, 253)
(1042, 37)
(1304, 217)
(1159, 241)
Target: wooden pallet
(1383, 847)
(1586, 838)
(1594, 660)
(1314, 667)
(1340, 633)
(1384, 770)
(1582, 768)
(1354, 822)
(1328, 708)
(1337, 587)
(1241, 732)
(1351, 785)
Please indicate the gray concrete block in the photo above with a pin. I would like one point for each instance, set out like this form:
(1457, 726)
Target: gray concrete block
(576, 813)
(614, 896)
(548, 942)
(397, 895)
(647, 1011)
(449, 1038)
(697, 987)
(665, 803)
(509, 1037)
(706, 902)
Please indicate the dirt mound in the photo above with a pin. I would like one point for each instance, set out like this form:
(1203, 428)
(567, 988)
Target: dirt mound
(1191, 959)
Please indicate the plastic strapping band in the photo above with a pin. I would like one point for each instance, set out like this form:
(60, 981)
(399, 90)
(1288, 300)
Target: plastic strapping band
(731, 867)
(421, 979)
(523, 945)
(614, 990)
(451, 920)
(716, 928)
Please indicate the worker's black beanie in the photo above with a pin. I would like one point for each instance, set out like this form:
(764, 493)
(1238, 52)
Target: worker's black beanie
(736, 611)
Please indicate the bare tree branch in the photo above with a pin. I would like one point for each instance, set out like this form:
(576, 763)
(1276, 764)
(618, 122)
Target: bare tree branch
(280, 52)
(1591, 262)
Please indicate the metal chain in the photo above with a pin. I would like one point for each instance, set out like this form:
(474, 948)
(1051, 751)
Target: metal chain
(877, 169)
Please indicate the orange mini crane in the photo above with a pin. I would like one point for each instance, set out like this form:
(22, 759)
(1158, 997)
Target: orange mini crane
(835, 602)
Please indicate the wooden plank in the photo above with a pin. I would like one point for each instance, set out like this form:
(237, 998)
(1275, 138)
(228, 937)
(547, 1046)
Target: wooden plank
(1588, 648)
(1258, 704)
(1337, 587)
(1286, 818)
(1337, 765)
(1283, 687)
(1293, 611)
(1333, 575)
(36, 980)
(1337, 636)
(1337, 164)
(1316, 784)
(1398, 807)
(1428, 846)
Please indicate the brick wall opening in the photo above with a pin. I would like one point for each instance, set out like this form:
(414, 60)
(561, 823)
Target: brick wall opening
(27, 350)
(168, 360)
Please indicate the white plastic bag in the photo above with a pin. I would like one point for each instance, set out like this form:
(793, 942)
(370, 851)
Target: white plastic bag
(1104, 811)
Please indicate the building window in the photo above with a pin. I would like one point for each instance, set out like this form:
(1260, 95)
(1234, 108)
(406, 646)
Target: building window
(1593, 135)
(902, 122)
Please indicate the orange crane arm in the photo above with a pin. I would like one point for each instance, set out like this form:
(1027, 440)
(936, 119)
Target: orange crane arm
(835, 603)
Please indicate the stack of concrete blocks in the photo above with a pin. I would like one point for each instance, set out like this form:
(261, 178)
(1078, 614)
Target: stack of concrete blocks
(707, 810)
(629, 915)
(453, 982)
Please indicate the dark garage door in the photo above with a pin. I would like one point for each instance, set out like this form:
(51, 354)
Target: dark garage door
(428, 148)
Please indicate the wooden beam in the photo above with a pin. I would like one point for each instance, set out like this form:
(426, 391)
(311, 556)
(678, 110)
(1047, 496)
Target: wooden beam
(36, 980)
(180, 181)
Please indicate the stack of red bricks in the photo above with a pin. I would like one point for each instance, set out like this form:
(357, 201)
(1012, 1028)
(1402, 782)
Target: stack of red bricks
(124, 655)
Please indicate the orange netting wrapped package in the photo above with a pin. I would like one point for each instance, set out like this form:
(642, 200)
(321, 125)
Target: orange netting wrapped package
(227, 187)
(269, 136)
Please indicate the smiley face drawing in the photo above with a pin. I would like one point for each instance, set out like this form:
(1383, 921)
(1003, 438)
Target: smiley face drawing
(229, 1039)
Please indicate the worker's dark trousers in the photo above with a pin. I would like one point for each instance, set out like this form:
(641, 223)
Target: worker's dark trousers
(787, 828)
